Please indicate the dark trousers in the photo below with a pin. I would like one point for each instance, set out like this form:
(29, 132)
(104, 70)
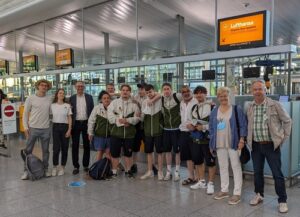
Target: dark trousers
(260, 152)
(80, 127)
(60, 143)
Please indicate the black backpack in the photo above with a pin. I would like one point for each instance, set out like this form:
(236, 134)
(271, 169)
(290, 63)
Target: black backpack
(101, 169)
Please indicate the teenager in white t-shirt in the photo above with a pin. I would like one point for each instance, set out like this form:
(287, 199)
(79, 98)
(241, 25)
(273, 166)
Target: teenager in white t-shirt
(62, 124)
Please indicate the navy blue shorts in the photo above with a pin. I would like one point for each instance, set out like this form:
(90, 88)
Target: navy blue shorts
(101, 143)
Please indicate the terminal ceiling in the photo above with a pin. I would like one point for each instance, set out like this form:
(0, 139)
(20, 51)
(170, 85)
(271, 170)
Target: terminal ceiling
(157, 26)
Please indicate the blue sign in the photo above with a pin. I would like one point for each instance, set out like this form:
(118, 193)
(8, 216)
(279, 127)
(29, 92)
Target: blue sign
(77, 184)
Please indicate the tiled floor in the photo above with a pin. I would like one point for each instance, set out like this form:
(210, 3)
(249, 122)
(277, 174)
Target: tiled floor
(52, 197)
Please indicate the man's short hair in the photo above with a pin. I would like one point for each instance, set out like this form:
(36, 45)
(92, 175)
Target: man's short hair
(166, 84)
(125, 85)
(184, 87)
(258, 81)
(82, 82)
(110, 84)
(149, 87)
(200, 89)
(37, 84)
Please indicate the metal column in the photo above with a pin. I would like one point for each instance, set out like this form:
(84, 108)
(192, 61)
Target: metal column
(107, 57)
(137, 30)
(22, 84)
(181, 50)
(289, 82)
(57, 77)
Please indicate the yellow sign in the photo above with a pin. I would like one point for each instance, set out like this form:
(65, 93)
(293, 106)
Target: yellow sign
(243, 31)
(64, 57)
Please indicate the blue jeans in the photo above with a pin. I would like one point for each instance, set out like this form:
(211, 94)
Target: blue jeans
(260, 152)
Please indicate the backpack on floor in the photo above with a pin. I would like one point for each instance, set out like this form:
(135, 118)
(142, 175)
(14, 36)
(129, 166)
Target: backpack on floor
(101, 169)
(34, 166)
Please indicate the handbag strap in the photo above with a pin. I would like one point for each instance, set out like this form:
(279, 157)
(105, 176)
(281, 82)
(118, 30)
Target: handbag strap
(237, 120)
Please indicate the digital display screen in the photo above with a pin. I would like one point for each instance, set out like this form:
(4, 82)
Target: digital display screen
(251, 72)
(208, 75)
(30, 63)
(244, 31)
(4, 67)
(64, 57)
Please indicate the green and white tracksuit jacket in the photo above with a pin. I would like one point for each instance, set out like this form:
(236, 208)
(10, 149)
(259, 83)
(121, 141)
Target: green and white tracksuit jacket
(152, 118)
(118, 109)
(171, 111)
(98, 123)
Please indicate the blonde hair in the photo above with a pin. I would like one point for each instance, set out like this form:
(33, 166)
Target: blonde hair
(222, 90)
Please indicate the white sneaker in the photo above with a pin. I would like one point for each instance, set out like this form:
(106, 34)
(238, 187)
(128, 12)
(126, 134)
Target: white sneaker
(168, 176)
(198, 185)
(210, 188)
(256, 200)
(54, 171)
(47, 173)
(61, 171)
(160, 176)
(176, 176)
(283, 208)
(148, 174)
(24, 176)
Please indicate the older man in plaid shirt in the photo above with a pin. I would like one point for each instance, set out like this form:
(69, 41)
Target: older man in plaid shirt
(269, 125)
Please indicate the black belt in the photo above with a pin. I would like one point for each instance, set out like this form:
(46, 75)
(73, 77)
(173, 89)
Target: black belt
(60, 124)
(81, 121)
(263, 142)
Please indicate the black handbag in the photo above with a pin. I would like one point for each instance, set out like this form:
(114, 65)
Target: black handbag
(245, 153)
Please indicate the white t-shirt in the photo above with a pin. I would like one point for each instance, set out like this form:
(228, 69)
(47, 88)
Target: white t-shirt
(60, 113)
(185, 110)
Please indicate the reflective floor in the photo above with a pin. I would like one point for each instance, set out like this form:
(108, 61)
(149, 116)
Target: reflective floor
(52, 197)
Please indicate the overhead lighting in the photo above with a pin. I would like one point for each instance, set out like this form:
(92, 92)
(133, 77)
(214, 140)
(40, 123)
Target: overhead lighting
(14, 6)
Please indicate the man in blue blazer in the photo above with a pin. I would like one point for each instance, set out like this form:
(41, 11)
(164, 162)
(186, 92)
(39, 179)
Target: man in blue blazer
(82, 106)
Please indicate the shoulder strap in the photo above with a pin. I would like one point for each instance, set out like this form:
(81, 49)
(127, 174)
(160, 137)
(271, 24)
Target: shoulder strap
(176, 99)
(237, 120)
(163, 102)
(197, 112)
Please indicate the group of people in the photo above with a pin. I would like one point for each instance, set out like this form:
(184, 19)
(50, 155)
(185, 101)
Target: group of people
(188, 124)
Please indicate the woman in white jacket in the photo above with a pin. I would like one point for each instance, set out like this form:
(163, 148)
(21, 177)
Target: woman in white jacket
(99, 126)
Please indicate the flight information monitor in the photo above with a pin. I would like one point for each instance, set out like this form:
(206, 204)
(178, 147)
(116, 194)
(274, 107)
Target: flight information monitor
(244, 31)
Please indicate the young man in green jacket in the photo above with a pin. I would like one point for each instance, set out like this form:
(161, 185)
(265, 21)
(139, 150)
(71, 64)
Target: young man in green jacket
(172, 120)
(124, 114)
(152, 123)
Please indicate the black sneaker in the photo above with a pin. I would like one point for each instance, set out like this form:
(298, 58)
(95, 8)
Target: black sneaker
(75, 171)
(134, 168)
(129, 174)
(155, 170)
(3, 146)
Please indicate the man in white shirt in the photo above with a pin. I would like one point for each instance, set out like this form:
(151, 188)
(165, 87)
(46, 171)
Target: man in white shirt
(82, 106)
(36, 122)
(185, 140)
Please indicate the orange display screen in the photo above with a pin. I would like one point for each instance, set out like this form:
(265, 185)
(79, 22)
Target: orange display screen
(242, 31)
(64, 57)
